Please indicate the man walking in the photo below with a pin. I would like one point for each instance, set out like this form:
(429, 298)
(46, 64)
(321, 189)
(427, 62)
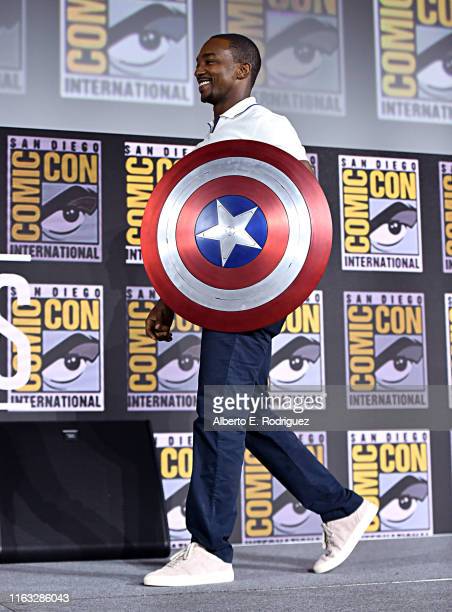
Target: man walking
(226, 69)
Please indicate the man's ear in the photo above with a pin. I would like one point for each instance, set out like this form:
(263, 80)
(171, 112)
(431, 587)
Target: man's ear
(243, 71)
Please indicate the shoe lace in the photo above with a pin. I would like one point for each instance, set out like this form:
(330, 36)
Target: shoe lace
(182, 555)
(327, 538)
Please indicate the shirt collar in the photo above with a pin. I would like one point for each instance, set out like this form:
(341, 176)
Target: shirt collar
(237, 109)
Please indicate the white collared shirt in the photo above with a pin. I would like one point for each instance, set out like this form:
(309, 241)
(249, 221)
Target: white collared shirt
(251, 121)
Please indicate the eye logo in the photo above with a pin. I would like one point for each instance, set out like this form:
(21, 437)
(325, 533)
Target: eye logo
(390, 227)
(414, 60)
(66, 363)
(288, 514)
(65, 213)
(399, 503)
(175, 507)
(298, 50)
(139, 42)
(134, 52)
(395, 363)
(54, 198)
(12, 46)
(297, 352)
(65, 326)
(385, 348)
(380, 214)
(434, 70)
(392, 470)
(269, 512)
(176, 459)
(291, 363)
(178, 365)
(301, 44)
(161, 376)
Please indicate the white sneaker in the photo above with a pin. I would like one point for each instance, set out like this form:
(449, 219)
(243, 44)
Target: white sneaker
(190, 566)
(342, 535)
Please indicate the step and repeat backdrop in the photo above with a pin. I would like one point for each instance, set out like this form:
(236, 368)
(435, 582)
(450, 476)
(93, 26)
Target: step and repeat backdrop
(379, 326)
(362, 71)
(370, 76)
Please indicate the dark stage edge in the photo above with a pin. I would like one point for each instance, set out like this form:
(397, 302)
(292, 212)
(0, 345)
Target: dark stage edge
(405, 574)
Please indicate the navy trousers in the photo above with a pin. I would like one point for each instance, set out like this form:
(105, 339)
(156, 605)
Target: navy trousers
(244, 359)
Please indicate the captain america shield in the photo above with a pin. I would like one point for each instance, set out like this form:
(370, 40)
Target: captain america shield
(236, 235)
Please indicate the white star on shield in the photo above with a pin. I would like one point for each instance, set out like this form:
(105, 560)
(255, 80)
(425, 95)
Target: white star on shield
(230, 231)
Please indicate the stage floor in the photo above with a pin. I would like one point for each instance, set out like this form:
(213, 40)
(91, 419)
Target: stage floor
(407, 574)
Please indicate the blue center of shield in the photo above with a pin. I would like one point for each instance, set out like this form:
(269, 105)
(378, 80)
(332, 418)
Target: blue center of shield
(231, 231)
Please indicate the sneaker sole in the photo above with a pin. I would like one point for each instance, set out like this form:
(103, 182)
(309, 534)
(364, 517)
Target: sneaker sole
(369, 513)
(168, 581)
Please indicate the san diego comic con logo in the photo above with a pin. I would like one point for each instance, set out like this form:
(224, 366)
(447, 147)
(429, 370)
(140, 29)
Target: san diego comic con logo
(380, 214)
(175, 454)
(301, 45)
(392, 470)
(298, 351)
(386, 361)
(161, 375)
(12, 46)
(132, 51)
(269, 512)
(54, 198)
(414, 59)
(448, 316)
(64, 326)
(445, 189)
(145, 164)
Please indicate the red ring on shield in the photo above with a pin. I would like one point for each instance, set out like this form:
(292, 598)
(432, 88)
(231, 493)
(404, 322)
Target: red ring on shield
(301, 287)
(272, 251)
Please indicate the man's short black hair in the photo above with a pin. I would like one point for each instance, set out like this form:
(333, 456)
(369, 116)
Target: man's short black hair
(244, 51)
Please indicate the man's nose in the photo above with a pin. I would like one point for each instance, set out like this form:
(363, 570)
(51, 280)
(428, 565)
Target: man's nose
(199, 70)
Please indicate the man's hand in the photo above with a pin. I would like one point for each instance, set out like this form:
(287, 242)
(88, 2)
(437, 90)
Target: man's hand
(159, 321)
